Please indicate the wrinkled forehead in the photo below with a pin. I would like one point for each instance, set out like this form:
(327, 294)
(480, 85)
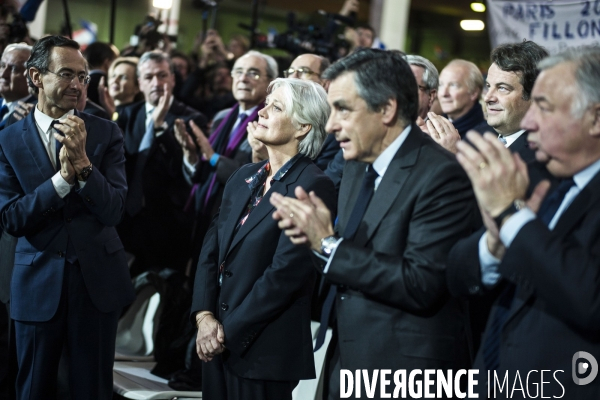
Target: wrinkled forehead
(154, 66)
(251, 62)
(307, 60)
(66, 58)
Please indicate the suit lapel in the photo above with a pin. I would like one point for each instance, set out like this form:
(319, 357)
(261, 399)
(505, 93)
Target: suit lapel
(238, 205)
(588, 197)
(132, 142)
(264, 208)
(31, 137)
(390, 186)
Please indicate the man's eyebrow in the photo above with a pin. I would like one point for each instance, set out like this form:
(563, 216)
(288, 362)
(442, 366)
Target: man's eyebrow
(504, 84)
(340, 103)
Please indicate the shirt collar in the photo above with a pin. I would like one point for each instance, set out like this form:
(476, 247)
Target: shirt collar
(248, 111)
(261, 175)
(382, 162)
(510, 139)
(582, 178)
(44, 121)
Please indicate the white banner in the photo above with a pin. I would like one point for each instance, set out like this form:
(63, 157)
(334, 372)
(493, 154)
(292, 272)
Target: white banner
(556, 25)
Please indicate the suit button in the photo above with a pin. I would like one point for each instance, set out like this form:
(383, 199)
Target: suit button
(61, 254)
(69, 220)
(224, 306)
(342, 297)
(474, 289)
(228, 273)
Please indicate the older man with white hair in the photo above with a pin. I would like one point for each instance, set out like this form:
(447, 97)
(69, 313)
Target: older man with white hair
(225, 149)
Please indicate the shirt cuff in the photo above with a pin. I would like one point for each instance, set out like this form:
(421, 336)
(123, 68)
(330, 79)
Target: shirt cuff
(330, 258)
(214, 159)
(191, 169)
(488, 264)
(513, 225)
(61, 186)
(161, 129)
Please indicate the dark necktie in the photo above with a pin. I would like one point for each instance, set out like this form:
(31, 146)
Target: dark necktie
(57, 143)
(362, 202)
(554, 200)
(491, 349)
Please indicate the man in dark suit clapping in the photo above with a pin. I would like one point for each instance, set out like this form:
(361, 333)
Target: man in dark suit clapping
(62, 191)
(403, 202)
(541, 251)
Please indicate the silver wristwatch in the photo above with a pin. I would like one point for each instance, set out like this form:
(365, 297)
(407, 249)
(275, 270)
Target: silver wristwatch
(329, 244)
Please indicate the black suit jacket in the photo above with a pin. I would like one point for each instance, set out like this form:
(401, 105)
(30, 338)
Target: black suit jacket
(556, 309)
(393, 308)
(264, 301)
(92, 90)
(156, 226)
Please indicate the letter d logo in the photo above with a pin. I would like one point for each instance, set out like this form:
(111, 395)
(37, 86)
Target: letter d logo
(582, 367)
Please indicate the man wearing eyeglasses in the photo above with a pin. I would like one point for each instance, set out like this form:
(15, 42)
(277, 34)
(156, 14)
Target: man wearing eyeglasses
(13, 83)
(211, 159)
(308, 67)
(62, 191)
(156, 229)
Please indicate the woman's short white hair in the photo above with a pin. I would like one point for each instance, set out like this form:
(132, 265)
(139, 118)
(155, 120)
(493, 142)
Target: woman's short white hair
(306, 104)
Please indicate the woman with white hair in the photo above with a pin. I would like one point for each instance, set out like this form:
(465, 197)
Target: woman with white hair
(253, 286)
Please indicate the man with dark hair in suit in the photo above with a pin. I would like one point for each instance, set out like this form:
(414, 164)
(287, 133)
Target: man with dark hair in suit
(99, 56)
(386, 257)
(210, 160)
(156, 229)
(540, 251)
(62, 191)
(509, 82)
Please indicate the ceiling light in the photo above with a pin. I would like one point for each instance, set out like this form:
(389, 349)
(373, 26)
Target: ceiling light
(164, 4)
(478, 7)
(472, 25)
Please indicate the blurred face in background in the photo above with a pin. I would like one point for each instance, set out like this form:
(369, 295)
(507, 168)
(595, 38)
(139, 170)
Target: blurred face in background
(222, 80)
(13, 81)
(181, 66)
(153, 77)
(122, 83)
(454, 94)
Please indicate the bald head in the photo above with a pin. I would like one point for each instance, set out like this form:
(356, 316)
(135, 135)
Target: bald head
(308, 67)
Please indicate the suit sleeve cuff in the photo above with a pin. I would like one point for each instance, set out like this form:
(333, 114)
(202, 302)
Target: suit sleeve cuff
(191, 169)
(61, 186)
(330, 258)
(488, 264)
(513, 225)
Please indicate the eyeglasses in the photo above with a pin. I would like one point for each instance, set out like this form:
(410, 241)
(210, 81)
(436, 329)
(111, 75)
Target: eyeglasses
(69, 76)
(237, 74)
(303, 72)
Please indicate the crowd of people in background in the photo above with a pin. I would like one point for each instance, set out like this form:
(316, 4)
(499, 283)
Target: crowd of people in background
(448, 221)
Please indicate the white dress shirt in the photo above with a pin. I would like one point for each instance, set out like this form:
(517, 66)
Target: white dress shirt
(512, 226)
(43, 122)
(380, 165)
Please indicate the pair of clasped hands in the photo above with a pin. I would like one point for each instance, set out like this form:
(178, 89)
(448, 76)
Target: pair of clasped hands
(72, 155)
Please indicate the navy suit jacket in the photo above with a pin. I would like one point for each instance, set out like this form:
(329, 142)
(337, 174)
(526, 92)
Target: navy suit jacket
(264, 300)
(31, 210)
